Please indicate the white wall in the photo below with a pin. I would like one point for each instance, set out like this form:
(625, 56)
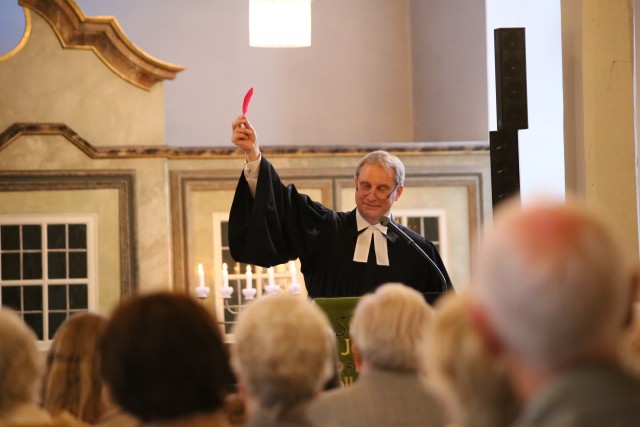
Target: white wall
(353, 85)
(378, 70)
(449, 70)
(541, 146)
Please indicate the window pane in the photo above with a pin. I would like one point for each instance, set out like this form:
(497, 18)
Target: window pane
(57, 297)
(78, 265)
(78, 297)
(31, 237)
(226, 258)
(10, 266)
(34, 320)
(56, 236)
(57, 265)
(32, 298)
(413, 223)
(237, 268)
(32, 265)
(431, 231)
(55, 320)
(10, 237)
(224, 233)
(77, 236)
(11, 297)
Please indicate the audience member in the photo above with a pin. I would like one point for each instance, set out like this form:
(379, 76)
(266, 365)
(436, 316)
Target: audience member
(114, 415)
(72, 380)
(388, 330)
(164, 361)
(552, 296)
(282, 359)
(21, 369)
(235, 409)
(467, 378)
(334, 379)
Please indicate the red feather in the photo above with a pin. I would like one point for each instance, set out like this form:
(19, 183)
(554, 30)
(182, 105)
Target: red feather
(247, 99)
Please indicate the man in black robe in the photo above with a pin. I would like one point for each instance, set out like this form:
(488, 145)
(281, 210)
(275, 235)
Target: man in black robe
(341, 253)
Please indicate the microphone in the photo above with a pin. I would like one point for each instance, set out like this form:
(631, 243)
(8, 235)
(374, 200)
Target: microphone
(386, 222)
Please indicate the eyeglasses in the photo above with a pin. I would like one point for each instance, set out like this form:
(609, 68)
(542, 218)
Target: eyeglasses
(380, 194)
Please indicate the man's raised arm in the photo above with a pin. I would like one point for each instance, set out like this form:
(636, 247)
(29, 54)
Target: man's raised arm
(244, 137)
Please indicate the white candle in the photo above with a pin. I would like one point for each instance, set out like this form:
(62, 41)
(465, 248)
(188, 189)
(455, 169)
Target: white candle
(225, 276)
(292, 269)
(272, 280)
(200, 276)
(201, 290)
(249, 277)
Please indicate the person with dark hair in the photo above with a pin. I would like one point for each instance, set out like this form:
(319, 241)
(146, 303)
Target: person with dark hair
(342, 253)
(164, 361)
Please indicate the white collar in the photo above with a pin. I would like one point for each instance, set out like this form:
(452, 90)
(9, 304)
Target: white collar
(363, 243)
(363, 223)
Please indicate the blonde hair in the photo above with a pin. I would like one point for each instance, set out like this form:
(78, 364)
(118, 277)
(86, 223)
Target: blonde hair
(73, 382)
(469, 380)
(283, 353)
(390, 326)
(20, 362)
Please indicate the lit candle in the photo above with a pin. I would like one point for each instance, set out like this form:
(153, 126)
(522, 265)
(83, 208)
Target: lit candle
(202, 291)
(249, 277)
(225, 276)
(292, 269)
(294, 287)
(200, 276)
(225, 291)
(272, 280)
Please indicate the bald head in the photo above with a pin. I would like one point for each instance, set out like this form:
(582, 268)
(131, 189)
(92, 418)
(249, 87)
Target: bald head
(553, 282)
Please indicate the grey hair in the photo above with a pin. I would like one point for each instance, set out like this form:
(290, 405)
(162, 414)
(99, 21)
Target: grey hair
(567, 259)
(283, 353)
(386, 160)
(390, 327)
(21, 364)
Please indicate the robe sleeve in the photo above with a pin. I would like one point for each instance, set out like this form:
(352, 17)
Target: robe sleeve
(276, 226)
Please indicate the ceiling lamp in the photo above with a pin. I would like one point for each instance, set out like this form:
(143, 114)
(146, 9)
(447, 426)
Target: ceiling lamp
(279, 23)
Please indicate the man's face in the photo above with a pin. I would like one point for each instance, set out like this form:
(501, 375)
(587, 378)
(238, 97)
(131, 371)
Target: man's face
(376, 192)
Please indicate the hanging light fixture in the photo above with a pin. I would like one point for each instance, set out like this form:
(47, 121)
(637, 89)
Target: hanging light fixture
(279, 23)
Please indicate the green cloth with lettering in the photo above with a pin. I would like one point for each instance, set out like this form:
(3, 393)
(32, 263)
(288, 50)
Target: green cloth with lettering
(339, 312)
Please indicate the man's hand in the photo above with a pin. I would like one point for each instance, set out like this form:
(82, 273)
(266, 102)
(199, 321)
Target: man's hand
(244, 136)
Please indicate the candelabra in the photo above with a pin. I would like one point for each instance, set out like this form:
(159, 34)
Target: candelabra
(231, 299)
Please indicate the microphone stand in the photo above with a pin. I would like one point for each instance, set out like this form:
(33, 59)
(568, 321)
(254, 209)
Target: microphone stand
(386, 222)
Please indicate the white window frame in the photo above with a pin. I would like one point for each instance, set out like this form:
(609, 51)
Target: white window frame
(441, 214)
(90, 220)
(282, 274)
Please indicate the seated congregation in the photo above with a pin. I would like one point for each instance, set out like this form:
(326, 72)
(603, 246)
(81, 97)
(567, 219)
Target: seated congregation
(543, 336)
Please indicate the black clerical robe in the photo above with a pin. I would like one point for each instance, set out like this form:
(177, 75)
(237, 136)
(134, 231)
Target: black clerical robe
(280, 225)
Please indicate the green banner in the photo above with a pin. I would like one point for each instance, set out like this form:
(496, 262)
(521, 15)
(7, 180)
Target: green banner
(339, 312)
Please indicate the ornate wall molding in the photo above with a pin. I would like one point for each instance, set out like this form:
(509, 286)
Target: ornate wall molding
(13, 132)
(123, 181)
(104, 36)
